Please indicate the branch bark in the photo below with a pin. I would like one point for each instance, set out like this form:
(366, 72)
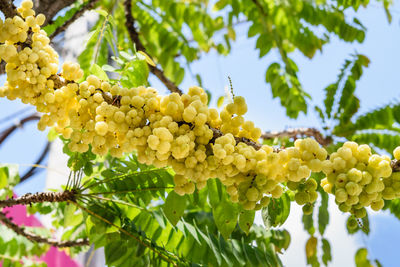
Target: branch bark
(395, 164)
(134, 36)
(50, 8)
(38, 239)
(90, 5)
(28, 199)
(6, 133)
(295, 132)
(8, 8)
(33, 170)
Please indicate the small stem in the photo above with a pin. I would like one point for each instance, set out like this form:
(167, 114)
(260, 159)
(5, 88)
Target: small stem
(127, 191)
(38, 239)
(117, 201)
(32, 170)
(89, 5)
(123, 231)
(97, 47)
(28, 199)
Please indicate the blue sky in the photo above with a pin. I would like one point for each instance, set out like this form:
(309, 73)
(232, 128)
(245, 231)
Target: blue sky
(378, 86)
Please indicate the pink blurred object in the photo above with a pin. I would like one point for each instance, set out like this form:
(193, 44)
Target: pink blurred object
(54, 257)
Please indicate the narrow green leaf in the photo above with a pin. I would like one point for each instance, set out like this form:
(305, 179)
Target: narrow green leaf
(326, 249)
(323, 214)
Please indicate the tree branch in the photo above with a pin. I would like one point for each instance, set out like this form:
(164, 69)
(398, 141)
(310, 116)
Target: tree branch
(134, 36)
(28, 199)
(395, 164)
(11, 129)
(50, 8)
(295, 132)
(32, 171)
(8, 8)
(38, 239)
(89, 5)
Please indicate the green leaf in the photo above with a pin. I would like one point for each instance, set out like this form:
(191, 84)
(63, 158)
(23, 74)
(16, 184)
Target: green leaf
(99, 72)
(311, 247)
(52, 135)
(109, 68)
(276, 213)
(214, 192)
(308, 223)
(361, 258)
(135, 74)
(174, 207)
(286, 86)
(114, 251)
(225, 216)
(220, 101)
(102, 12)
(380, 139)
(3, 177)
(330, 98)
(323, 214)
(246, 220)
(326, 249)
(69, 214)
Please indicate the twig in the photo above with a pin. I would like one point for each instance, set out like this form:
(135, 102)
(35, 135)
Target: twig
(295, 132)
(11, 129)
(39, 198)
(260, 7)
(15, 114)
(122, 230)
(32, 171)
(38, 239)
(127, 191)
(89, 5)
(8, 8)
(117, 201)
(395, 164)
(134, 35)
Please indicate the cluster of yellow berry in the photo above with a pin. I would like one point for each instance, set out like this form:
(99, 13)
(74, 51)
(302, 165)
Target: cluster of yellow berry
(31, 61)
(232, 121)
(356, 177)
(305, 193)
(179, 131)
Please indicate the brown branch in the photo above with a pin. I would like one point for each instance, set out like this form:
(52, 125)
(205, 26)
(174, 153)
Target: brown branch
(32, 171)
(8, 8)
(38, 239)
(28, 199)
(134, 36)
(89, 5)
(260, 7)
(6, 133)
(2, 67)
(295, 132)
(395, 164)
(50, 8)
